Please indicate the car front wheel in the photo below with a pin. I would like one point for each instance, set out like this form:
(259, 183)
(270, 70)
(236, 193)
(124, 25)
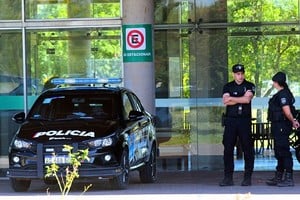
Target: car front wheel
(122, 181)
(20, 185)
(148, 173)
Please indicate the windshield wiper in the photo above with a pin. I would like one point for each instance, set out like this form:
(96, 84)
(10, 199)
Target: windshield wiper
(39, 118)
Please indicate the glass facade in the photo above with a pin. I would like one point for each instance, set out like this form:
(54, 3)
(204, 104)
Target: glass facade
(65, 9)
(196, 42)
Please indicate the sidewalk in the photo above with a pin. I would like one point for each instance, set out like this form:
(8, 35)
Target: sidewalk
(195, 185)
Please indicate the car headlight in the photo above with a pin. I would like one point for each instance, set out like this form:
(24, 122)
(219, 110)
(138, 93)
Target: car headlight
(103, 142)
(22, 144)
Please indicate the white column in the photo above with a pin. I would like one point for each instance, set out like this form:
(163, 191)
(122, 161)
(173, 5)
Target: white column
(139, 75)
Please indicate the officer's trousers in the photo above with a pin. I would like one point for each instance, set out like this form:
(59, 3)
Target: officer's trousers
(281, 131)
(241, 128)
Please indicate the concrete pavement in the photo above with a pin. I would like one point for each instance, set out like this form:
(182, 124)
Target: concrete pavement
(196, 185)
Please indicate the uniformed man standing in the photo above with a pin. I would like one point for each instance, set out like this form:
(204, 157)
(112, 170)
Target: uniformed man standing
(237, 96)
(281, 115)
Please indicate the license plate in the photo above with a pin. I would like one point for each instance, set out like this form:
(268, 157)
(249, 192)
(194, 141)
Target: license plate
(58, 159)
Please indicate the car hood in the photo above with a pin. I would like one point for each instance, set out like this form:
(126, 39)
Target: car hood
(71, 131)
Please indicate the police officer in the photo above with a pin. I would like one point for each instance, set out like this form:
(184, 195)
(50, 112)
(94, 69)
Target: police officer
(280, 113)
(237, 96)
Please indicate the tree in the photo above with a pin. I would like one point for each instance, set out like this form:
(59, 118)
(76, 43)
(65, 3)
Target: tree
(264, 49)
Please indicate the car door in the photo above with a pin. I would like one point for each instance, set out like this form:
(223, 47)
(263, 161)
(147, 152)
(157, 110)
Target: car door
(136, 130)
(142, 137)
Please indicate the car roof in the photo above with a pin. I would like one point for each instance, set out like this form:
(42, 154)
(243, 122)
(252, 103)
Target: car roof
(86, 89)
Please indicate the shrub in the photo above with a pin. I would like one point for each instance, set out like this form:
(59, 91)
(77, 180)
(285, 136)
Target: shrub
(65, 181)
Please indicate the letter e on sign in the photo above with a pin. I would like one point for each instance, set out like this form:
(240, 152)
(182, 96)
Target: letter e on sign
(135, 39)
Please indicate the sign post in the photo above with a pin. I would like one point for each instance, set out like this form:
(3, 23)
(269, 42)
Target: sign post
(137, 43)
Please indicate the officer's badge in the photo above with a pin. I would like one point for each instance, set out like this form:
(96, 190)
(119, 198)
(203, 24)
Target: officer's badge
(283, 100)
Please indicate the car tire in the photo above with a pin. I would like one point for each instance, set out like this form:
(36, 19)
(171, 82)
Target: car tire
(20, 185)
(297, 153)
(121, 182)
(50, 181)
(148, 173)
(296, 146)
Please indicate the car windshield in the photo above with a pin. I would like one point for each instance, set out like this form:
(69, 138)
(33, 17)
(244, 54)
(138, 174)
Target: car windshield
(68, 107)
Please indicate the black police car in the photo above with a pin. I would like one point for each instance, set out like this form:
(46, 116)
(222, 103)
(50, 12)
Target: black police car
(110, 121)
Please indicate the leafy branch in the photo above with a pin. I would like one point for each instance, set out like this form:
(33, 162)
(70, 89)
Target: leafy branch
(71, 172)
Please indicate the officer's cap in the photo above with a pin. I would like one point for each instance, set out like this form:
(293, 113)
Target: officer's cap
(238, 68)
(279, 77)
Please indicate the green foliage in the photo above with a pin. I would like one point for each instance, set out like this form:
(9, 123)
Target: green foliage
(100, 57)
(106, 10)
(264, 50)
(71, 172)
(75, 9)
(71, 47)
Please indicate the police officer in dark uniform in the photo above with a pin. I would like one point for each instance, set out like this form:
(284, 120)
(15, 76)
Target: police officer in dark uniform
(281, 114)
(237, 96)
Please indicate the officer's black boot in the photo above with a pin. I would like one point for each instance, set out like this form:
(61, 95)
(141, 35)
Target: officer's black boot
(287, 181)
(227, 181)
(247, 180)
(276, 179)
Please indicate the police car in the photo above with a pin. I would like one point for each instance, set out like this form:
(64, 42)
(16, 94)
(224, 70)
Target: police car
(107, 120)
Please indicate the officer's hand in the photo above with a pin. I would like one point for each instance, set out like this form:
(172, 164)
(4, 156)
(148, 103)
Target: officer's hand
(296, 124)
(248, 93)
(226, 98)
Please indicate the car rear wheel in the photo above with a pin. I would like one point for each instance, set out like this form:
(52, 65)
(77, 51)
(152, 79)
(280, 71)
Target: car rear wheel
(20, 185)
(296, 146)
(148, 173)
(122, 181)
(298, 154)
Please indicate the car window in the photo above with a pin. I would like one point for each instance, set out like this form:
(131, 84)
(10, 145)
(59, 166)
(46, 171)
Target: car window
(127, 106)
(136, 102)
(97, 107)
(72, 106)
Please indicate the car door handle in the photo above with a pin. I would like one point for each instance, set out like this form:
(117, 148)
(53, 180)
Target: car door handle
(143, 123)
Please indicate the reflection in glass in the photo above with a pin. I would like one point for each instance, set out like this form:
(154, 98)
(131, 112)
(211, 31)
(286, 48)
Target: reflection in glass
(262, 11)
(11, 63)
(183, 12)
(77, 53)
(11, 84)
(172, 12)
(52, 9)
(10, 10)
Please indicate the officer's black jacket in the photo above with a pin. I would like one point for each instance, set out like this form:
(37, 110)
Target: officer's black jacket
(281, 98)
(236, 90)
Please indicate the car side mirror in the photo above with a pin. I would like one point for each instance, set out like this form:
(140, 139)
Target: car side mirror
(19, 117)
(135, 115)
